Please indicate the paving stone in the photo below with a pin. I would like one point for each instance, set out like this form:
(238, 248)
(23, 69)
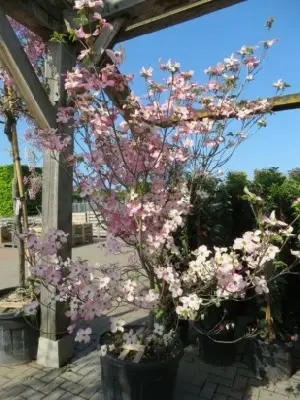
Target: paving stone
(257, 382)
(220, 380)
(97, 396)
(235, 394)
(34, 383)
(229, 372)
(31, 394)
(208, 390)
(4, 371)
(51, 386)
(13, 391)
(87, 369)
(188, 397)
(71, 376)
(70, 396)
(3, 380)
(55, 395)
(218, 396)
(51, 375)
(252, 393)
(38, 374)
(89, 379)
(267, 395)
(187, 388)
(88, 392)
(240, 383)
(246, 372)
(287, 388)
(72, 387)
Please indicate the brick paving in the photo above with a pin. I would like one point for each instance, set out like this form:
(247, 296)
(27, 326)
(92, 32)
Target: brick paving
(80, 380)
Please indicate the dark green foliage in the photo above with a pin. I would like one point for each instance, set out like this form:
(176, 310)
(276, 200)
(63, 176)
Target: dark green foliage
(6, 200)
(220, 213)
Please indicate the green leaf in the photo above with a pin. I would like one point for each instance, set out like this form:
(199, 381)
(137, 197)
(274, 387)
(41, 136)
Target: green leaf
(58, 37)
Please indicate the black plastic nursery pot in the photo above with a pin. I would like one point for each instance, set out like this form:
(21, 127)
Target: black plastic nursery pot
(125, 380)
(18, 338)
(218, 349)
(183, 332)
(271, 361)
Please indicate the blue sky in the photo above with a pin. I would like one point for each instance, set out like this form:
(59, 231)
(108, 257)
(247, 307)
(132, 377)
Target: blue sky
(205, 41)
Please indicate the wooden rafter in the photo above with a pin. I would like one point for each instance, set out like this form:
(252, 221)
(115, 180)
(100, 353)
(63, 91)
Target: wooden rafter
(149, 16)
(28, 85)
(142, 16)
(40, 16)
(279, 103)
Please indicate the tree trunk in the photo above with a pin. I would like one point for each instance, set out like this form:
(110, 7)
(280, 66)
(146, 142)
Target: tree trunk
(18, 190)
(18, 231)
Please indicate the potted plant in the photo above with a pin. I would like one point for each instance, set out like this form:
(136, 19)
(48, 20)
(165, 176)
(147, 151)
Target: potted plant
(131, 165)
(248, 272)
(271, 347)
(216, 334)
(122, 374)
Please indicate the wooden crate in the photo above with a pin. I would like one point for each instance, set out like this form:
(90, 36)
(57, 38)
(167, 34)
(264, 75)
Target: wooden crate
(98, 231)
(87, 233)
(79, 218)
(77, 237)
(5, 234)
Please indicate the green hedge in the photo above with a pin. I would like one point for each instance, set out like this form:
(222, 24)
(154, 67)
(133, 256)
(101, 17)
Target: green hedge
(6, 200)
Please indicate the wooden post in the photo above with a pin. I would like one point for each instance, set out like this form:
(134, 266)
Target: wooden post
(57, 212)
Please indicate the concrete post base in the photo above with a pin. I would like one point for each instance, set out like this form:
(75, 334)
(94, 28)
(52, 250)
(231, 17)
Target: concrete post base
(54, 353)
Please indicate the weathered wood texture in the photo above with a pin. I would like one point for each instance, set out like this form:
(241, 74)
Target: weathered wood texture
(279, 103)
(57, 184)
(143, 16)
(107, 39)
(16, 62)
(40, 16)
(149, 16)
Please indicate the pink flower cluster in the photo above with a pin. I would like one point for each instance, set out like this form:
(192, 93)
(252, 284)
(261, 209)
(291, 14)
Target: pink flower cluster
(231, 272)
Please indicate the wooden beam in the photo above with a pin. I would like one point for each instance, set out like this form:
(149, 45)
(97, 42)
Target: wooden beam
(107, 39)
(279, 103)
(286, 102)
(40, 16)
(144, 16)
(148, 16)
(15, 60)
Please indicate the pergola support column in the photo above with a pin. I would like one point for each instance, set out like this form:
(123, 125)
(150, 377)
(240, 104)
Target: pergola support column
(55, 347)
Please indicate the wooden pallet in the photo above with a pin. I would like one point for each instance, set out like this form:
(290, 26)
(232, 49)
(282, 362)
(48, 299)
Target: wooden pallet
(8, 244)
(82, 234)
(5, 234)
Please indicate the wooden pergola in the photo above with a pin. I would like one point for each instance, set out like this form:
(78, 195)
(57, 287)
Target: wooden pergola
(129, 18)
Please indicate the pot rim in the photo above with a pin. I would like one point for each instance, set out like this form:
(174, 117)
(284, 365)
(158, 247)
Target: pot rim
(151, 364)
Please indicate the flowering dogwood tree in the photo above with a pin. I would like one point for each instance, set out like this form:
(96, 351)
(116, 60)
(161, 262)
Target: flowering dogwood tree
(130, 164)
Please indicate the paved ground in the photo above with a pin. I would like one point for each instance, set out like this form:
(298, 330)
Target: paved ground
(9, 258)
(80, 380)
(196, 381)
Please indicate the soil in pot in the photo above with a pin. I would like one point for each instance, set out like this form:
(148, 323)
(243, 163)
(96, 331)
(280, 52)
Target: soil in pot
(271, 361)
(18, 334)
